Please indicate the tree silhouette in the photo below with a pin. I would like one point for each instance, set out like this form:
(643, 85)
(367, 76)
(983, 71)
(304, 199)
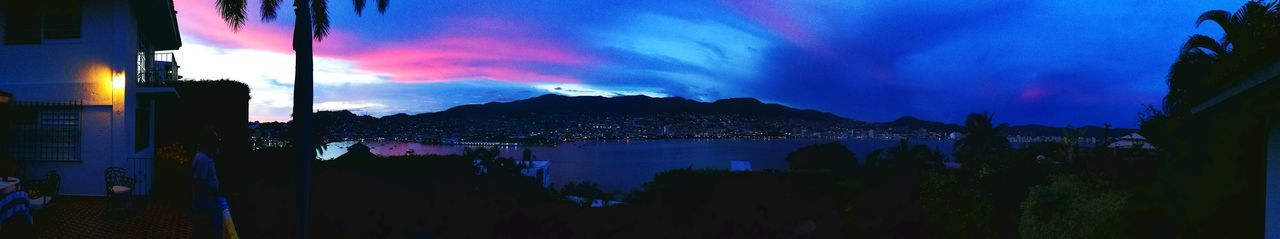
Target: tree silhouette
(311, 21)
(830, 157)
(903, 157)
(980, 139)
(488, 162)
(1207, 65)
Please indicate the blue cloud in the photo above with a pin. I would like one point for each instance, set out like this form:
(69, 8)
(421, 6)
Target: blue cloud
(1048, 62)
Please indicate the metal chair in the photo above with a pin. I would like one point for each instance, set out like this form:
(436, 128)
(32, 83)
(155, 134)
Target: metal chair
(119, 188)
(41, 192)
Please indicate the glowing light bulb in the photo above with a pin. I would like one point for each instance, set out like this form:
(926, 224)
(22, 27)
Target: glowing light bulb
(117, 80)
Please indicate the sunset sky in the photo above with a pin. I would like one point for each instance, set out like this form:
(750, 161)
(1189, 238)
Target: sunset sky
(1045, 62)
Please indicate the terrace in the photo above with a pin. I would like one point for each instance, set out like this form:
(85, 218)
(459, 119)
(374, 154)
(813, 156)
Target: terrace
(154, 70)
(89, 217)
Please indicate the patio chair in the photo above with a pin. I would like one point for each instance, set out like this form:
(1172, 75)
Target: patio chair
(40, 192)
(15, 217)
(119, 188)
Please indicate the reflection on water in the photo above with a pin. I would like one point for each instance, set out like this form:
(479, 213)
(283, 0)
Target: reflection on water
(618, 165)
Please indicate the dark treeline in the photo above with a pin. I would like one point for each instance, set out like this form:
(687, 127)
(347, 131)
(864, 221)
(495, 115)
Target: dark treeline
(905, 191)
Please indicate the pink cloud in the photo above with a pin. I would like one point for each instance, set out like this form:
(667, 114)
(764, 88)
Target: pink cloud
(455, 57)
(1032, 94)
(774, 17)
(470, 48)
(201, 19)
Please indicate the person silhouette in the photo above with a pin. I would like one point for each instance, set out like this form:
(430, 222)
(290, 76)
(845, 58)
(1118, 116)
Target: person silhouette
(207, 218)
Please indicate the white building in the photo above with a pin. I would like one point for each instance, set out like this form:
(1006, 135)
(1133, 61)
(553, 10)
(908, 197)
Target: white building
(539, 170)
(89, 75)
(1132, 141)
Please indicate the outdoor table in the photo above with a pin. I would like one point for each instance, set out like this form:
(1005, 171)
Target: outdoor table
(9, 184)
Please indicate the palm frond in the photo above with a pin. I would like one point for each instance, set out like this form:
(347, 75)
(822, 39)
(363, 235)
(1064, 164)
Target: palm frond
(1198, 41)
(1223, 18)
(359, 5)
(233, 12)
(382, 5)
(1188, 80)
(269, 8)
(1251, 11)
(320, 18)
(1275, 9)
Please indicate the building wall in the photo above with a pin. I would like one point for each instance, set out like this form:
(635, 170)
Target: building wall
(1272, 223)
(83, 69)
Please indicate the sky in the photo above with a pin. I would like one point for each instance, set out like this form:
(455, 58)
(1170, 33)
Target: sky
(1051, 62)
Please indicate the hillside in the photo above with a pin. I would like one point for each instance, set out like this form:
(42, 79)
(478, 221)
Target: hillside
(553, 118)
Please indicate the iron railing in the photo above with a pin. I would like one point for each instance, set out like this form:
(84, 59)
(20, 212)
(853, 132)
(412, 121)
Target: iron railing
(141, 169)
(47, 131)
(156, 70)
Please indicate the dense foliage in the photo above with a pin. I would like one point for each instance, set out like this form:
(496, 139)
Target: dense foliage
(1074, 207)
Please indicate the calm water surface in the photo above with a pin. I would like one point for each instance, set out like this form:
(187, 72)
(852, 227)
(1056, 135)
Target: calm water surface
(626, 165)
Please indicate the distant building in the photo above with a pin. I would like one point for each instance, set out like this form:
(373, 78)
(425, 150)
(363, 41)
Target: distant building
(1131, 141)
(86, 76)
(594, 202)
(357, 151)
(539, 170)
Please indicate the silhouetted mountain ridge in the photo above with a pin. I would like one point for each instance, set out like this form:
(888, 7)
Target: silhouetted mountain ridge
(571, 108)
(633, 106)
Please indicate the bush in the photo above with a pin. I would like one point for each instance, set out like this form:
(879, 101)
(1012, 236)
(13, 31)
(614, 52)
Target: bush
(1074, 207)
(957, 210)
(173, 170)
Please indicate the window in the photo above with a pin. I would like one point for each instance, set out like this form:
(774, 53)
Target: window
(54, 134)
(142, 129)
(30, 22)
(541, 176)
(62, 19)
(21, 23)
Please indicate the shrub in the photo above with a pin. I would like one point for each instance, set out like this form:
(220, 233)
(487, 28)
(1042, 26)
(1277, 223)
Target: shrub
(1073, 207)
(173, 170)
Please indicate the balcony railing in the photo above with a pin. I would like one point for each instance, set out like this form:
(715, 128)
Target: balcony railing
(156, 70)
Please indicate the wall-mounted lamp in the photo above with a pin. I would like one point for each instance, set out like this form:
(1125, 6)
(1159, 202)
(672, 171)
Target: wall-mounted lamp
(117, 80)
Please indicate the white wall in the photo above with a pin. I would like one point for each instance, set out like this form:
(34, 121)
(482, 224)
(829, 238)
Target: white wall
(82, 69)
(84, 177)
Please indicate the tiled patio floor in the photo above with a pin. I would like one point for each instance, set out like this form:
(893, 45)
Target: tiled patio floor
(87, 217)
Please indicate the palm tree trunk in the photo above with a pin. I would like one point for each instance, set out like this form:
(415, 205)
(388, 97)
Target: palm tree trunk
(303, 138)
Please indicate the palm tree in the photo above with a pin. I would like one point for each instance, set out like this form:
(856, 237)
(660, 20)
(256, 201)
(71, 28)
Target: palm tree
(1207, 65)
(980, 139)
(311, 22)
(1188, 77)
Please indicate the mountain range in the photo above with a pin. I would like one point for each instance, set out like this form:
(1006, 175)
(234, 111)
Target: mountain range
(911, 122)
(633, 105)
(552, 111)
